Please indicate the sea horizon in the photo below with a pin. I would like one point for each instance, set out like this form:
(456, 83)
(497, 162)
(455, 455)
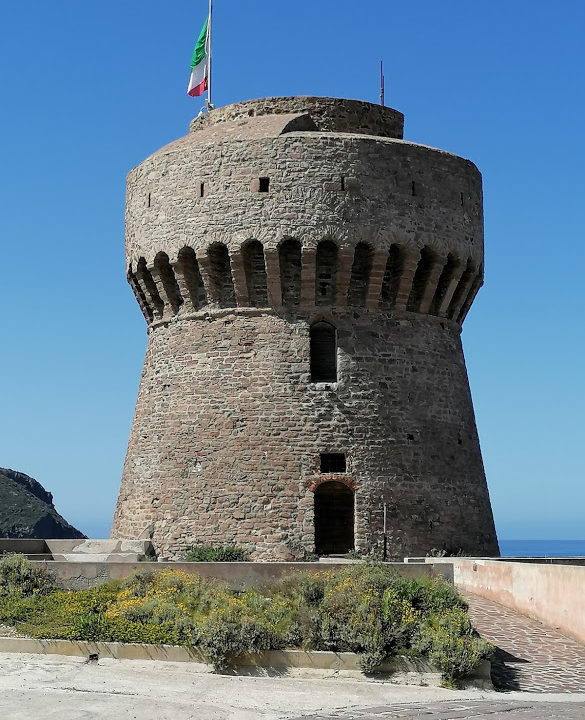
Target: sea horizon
(542, 548)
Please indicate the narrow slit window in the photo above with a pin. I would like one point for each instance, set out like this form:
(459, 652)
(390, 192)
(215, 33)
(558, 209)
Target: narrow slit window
(148, 199)
(323, 348)
(202, 190)
(264, 184)
(342, 183)
(413, 188)
(332, 463)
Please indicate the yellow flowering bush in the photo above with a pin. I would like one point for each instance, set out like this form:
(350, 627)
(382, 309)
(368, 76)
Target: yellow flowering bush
(366, 608)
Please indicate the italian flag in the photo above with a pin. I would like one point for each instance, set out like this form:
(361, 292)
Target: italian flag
(199, 64)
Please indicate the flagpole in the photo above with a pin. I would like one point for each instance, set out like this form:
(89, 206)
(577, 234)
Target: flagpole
(209, 104)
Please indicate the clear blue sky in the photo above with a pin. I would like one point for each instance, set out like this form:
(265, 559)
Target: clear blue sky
(90, 89)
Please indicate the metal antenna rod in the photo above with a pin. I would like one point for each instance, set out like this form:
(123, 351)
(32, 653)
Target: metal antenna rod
(381, 82)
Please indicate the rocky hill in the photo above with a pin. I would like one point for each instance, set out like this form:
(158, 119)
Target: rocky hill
(27, 510)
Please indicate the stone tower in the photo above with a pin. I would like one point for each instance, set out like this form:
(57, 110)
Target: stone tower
(304, 273)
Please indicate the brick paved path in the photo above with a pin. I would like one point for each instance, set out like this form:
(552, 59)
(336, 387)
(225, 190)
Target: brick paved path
(530, 656)
(456, 710)
(462, 709)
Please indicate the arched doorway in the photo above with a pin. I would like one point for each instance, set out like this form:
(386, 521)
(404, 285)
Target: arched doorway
(334, 518)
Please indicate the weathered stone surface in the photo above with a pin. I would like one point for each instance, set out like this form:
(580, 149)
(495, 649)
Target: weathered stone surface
(238, 239)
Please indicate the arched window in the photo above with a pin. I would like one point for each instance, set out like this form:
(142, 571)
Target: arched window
(289, 255)
(392, 276)
(360, 274)
(323, 352)
(221, 275)
(188, 269)
(255, 269)
(326, 273)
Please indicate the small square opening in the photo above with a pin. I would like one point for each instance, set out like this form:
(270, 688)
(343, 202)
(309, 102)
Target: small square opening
(263, 184)
(332, 463)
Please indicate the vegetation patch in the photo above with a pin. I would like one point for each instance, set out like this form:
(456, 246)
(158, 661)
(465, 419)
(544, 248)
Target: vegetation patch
(216, 553)
(364, 608)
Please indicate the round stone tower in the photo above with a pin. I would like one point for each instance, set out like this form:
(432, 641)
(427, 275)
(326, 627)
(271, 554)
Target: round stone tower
(304, 273)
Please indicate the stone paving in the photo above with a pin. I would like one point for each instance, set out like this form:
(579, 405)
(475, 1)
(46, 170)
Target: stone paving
(530, 656)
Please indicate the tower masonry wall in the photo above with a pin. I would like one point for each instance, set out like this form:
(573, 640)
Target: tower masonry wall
(392, 192)
(271, 216)
(228, 431)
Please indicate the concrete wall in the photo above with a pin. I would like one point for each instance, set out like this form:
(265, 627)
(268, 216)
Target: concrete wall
(78, 575)
(553, 594)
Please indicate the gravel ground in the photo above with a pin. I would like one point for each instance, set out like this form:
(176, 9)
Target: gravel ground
(70, 688)
(6, 631)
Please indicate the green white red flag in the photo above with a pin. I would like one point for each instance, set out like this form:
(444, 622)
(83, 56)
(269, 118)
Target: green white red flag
(200, 63)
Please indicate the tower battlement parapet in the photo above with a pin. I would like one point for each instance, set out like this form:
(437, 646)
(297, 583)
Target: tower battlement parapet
(316, 113)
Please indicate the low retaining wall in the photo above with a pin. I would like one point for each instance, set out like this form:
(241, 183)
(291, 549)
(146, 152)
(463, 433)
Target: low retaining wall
(239, 575)
(84, 549)
(551, 593)
(405, 671)
(26, 546)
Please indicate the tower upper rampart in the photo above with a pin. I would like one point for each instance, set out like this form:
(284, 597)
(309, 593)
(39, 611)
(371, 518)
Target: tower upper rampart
(300, 202)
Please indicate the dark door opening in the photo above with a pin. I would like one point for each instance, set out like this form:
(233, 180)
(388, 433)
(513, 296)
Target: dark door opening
(334, 518)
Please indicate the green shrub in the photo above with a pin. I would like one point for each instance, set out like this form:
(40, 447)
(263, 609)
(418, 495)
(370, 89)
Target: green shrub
(118, 629)
(312, 588)
(363, 612)
(216, 553)
(19, 576)
(138, 582)
(428, 595)
(354, 555)
(14, 609)
(369, 609)
(194, 593)
(248, 623)
(450, 642)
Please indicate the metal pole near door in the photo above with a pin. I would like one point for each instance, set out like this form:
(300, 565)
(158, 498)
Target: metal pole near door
(385, 556)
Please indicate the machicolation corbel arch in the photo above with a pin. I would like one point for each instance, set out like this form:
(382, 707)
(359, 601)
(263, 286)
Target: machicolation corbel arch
(304, 273)
(401, 278)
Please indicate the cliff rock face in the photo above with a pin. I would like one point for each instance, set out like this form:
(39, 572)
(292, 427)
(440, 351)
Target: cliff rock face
(27, 510)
